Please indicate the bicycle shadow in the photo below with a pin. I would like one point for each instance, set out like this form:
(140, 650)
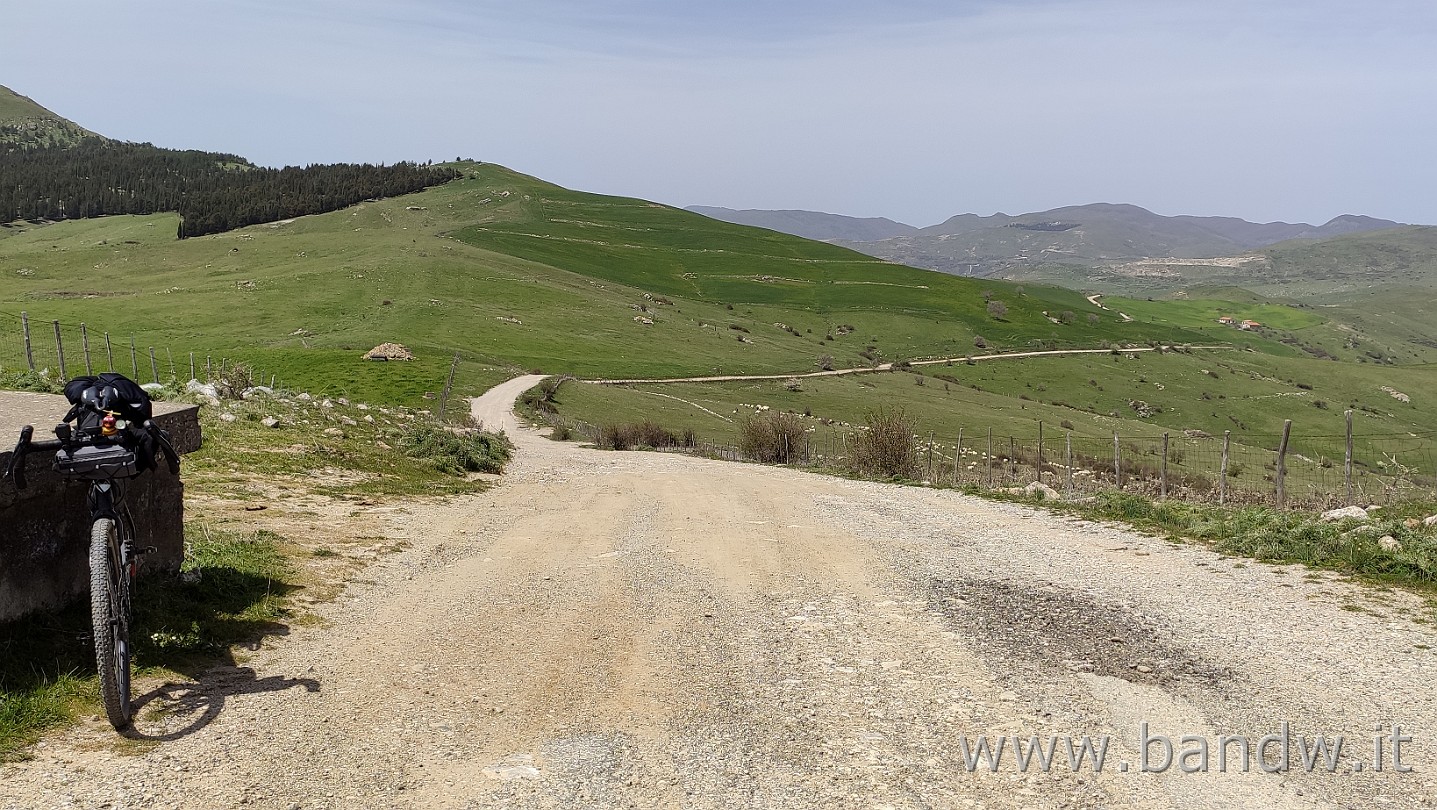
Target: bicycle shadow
(198, 703)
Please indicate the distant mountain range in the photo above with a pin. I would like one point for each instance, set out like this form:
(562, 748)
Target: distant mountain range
(973, 245)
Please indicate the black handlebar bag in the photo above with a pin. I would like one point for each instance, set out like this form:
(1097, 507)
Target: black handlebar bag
(92, 399)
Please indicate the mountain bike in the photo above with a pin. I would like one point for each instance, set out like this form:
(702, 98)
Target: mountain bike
(108, 459)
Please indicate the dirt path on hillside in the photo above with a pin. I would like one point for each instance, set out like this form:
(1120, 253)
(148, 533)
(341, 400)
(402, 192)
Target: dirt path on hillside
(840, 372)
(653, 630)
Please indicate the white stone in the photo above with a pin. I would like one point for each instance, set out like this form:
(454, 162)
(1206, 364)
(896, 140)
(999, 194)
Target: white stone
(1345, 513)
(1389, 543)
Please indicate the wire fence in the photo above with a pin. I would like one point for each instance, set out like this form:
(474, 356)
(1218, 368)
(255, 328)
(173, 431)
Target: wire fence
(1311, 471)
(65, 350)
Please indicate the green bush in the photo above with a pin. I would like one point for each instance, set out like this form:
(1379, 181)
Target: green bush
(456, 453)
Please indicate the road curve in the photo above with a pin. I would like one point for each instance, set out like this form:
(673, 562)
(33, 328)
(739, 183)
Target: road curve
(653, 630)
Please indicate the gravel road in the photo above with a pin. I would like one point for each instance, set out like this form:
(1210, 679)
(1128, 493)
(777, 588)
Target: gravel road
(652, 630)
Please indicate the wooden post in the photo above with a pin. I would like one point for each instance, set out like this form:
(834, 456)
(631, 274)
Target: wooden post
(957, 456)
(134, 359)
(448, 384)
(930, 456)
(1117, 462)
(1282, 465)
(29, 350)
(1347, 465)
(1165, 467)
(1069, 486)
(990, 458)
(209, 368)
(109, 353)
(85, 345)
(1222, 472)
(192, 365)
(1012, 460)
(60, 350)
(1040, 451)
(154, 365)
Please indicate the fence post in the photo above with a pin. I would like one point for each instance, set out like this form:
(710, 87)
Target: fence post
(29, 350)
(1040, 451)
(1117, 461)
(170, 358)
(154, 365)
(448, 384)
(1222, 472)
(1165, 467)
(990, 458)
(192, 365)
(1282, 465)
(930, 456)
(1012, 460)
(209, 368)
(85, 344)
(1068, 488)
(1347, 465)
(957, 456)
(109, 353)
(60, 350)
(134, 359)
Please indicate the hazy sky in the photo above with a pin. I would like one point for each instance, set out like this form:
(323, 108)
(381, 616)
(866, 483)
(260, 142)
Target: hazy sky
(911, 109)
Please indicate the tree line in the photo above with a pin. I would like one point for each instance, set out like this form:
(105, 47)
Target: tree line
(212, 192)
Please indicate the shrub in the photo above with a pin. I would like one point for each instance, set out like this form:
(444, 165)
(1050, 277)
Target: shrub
(979, 342)
(616, 437)
(997, 309)
(825, 362)
(1065, 425)
(652, 434)
(561, 433)
(1092, 318)
(541, 398)
(232, 382)
(885, 449)
(454, 452)
(773, 438)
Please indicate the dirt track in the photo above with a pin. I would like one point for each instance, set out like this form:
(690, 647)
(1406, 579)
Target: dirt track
(651, 630)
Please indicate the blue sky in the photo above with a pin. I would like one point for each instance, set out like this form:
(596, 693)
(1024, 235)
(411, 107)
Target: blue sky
(911, 109)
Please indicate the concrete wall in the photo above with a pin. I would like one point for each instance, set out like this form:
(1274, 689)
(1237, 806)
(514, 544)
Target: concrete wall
(45, 528)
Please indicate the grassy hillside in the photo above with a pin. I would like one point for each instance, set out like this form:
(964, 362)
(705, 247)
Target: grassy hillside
(1371, 292)
(516, 273)
(25, 123)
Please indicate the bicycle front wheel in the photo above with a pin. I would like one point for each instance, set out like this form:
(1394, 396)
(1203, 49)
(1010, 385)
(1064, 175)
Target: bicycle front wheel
(110, 617)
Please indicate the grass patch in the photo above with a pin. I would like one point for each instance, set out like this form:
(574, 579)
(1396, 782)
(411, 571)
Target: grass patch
(47, 663)
(1274, 536)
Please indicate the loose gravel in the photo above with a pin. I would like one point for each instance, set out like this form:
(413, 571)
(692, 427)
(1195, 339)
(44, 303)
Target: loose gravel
(652, 630)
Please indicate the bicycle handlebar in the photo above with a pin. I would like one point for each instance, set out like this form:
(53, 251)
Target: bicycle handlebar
(16, 468)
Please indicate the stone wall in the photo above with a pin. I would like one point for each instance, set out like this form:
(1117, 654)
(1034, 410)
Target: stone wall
(45, 528)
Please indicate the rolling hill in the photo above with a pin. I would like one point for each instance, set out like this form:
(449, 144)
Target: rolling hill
(518, 273)
(26, 124)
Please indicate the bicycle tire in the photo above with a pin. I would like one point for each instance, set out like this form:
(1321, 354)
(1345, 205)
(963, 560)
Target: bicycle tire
(110, 620)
